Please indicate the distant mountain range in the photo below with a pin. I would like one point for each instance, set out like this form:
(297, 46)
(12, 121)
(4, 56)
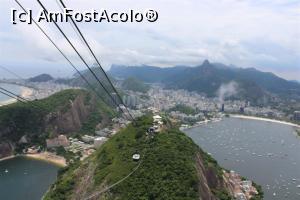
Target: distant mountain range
(208, 78)
(41, 78)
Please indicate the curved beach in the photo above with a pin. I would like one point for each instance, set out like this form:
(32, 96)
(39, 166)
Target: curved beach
(7, 158)
(48, 157)
(265, 119)
(25, 93)
(43, 156)
(7, 102)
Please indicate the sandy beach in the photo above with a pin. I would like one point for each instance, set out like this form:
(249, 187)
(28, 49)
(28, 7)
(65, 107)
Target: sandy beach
(7, 158)
(25, 93)
(49, 157)
(265, 119)
(44, 156)
(7, 102)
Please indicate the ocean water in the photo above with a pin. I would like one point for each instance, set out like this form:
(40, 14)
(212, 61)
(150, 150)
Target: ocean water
(25, 179)
(13, 88)
(265, 152)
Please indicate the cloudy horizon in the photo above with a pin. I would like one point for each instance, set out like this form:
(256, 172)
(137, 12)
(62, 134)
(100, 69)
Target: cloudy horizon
(263, 34)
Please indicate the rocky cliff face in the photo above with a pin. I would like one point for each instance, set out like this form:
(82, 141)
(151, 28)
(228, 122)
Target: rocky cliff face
(65, 122)
(6, 149)
(62, 120)
(209, 180)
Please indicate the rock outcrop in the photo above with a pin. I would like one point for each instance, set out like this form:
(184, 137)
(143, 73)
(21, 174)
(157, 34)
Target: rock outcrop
(209, 180)
(70, 120)
(6, 149)
(60, 118)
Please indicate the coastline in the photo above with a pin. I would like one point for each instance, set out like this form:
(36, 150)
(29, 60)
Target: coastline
(25, 93)
(265, 119)
(7, 158)
(245, 117)
(7, 102)
(48, 157)
(44, 156)
(200, 123)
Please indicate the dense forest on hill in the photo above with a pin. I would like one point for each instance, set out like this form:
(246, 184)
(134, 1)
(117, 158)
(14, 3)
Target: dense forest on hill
(65, 112)
(135, 84)
(168, 169)
(184, 109)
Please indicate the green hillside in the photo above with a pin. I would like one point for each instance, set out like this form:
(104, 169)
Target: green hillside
(38, 119)
(78, 81)
(167, 169)
(184, 109)
(135, 84)
(29, 117)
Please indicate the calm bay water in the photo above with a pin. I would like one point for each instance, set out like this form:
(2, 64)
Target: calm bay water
(13, 88)
(25, 179)
(265, 152)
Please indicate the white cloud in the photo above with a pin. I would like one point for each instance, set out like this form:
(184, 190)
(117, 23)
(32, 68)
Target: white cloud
(250, 33)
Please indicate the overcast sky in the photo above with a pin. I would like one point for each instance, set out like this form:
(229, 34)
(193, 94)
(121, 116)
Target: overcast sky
(264, 34)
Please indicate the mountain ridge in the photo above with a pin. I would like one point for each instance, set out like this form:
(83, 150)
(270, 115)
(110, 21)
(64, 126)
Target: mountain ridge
(41, 78)
(208, 77)
(171, 167)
